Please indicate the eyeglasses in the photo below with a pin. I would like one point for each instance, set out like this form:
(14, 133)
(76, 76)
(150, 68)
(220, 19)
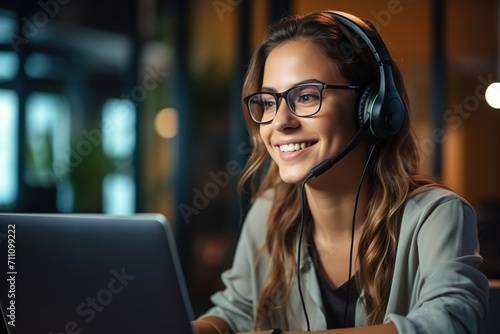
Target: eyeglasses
(303, 100)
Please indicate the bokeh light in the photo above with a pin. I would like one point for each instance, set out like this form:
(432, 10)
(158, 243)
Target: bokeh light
(167, 123)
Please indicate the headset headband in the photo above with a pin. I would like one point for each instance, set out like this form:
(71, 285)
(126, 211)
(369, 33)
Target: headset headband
(384, 107)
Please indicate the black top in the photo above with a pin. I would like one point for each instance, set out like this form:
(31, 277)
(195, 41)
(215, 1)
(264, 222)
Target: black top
(335, 300)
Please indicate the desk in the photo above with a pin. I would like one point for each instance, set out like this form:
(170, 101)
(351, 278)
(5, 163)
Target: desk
(494, 283)
(492, 325)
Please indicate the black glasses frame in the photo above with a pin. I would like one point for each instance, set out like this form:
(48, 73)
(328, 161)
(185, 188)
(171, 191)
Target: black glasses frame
(284, 95)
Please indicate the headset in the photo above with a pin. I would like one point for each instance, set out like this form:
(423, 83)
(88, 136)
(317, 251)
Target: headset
(380, 115)
(380, 104)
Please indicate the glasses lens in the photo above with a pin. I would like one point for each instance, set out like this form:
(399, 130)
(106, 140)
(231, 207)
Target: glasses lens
(305, 100)
(262, 107)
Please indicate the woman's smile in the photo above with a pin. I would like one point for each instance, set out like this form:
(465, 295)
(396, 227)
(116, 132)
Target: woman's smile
(294, 150)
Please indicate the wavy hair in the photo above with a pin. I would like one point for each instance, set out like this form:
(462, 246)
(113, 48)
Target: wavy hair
(393, 174)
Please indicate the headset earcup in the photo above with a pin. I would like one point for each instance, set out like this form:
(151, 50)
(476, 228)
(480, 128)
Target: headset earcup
(366, 102)
(380, 105)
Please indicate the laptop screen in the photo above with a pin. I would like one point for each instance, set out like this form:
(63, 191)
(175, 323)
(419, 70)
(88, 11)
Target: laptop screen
(91, 274)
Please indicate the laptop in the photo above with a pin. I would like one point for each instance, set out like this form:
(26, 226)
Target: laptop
(79, 274)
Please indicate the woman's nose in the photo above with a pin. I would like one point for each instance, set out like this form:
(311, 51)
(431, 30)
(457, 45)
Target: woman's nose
(284, 118)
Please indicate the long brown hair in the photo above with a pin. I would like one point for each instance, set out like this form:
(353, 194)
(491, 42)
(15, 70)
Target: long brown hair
(393, 173)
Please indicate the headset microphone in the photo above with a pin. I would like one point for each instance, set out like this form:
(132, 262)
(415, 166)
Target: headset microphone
(327, 164)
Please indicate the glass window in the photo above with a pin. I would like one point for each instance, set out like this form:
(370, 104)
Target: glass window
(10, 65)
(47, 139)
(44, 66)
(39, 65)
(118, 194)
(65, 196)
(119, 142)
(119, 126)
(8, 147)
(8, 28)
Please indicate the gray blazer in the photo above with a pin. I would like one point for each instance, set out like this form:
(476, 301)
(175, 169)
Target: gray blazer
(436, 287)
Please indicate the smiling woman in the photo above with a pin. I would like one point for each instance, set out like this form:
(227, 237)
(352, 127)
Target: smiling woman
(324, 134)
(344, 236)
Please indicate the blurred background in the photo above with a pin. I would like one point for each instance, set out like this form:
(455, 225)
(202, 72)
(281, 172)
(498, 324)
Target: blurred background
(133, 106)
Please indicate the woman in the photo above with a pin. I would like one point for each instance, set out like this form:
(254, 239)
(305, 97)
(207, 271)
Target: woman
(373, 248)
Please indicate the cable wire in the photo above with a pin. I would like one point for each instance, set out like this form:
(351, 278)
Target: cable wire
(301, 232)
(353, 229)
(302, 205)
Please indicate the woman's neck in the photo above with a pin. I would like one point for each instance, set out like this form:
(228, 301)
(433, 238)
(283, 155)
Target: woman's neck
(332, 207)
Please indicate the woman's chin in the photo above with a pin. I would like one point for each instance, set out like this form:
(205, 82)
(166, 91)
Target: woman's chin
(292, 177)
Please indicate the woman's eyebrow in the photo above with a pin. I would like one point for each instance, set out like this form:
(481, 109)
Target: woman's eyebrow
(270, 89)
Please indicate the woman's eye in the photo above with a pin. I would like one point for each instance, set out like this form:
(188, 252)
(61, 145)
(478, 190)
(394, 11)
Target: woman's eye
(268, 105)
(307, 98)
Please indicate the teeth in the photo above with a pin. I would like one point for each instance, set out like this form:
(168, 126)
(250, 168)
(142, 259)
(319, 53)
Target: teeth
(292, 147)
